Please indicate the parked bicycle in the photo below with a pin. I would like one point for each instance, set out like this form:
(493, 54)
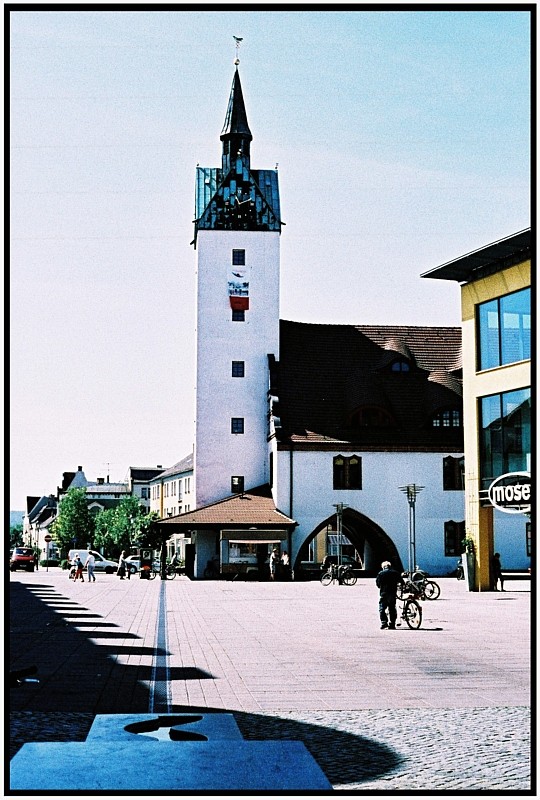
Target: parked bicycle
(340, 573)
(460, 573)
(411, 611)
(420, 583)
(172, 570)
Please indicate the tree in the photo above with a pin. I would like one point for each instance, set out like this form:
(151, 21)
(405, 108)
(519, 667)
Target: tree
(74, 525)
(15, 536)
(125, 527)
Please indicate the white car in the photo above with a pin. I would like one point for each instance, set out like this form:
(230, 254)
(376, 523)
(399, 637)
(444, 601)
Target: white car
(134, 564)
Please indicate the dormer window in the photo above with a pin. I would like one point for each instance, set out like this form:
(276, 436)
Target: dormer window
(370, 417)
(400, 366)
(447, 418)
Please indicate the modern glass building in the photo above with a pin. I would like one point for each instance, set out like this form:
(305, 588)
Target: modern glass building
(496, 319)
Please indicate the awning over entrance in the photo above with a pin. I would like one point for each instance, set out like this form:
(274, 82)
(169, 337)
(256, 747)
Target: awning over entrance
(251, 537)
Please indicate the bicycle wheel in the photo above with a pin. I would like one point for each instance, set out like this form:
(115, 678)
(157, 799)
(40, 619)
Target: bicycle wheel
(171, 573)
(412, 613)
(431, 590)
(326, 579)
(152, 574)
(349, 578)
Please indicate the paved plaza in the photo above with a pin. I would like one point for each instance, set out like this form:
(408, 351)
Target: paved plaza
(446, 707)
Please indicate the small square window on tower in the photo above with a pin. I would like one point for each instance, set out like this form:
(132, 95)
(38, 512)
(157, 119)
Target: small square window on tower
(238, 370)
(238, 315)
(239, 258)
(237, 484)
(237, 425)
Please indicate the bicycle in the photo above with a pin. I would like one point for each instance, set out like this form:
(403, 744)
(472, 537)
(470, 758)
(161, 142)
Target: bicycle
(411, 611)
(340, 573)
(171, 571)
(420, 583)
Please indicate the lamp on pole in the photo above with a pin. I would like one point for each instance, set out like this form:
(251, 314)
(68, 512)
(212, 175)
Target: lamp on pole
(412, 490)
(339, 517)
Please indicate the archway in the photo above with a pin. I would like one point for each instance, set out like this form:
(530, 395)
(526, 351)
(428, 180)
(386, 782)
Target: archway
(368, 540)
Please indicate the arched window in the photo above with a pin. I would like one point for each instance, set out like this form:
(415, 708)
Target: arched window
(370, 417)
(447, 418)
(347, 472)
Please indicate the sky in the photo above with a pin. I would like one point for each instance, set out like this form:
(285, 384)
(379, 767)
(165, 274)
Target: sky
(402, 140)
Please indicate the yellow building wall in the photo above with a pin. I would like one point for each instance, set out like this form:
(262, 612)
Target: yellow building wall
(479, 520)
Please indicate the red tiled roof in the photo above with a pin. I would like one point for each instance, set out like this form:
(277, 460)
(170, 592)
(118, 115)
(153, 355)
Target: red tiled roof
(254, 507)
(325, 372)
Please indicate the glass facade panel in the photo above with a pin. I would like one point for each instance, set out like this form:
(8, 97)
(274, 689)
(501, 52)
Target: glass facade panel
(504, 330)
(505, 434)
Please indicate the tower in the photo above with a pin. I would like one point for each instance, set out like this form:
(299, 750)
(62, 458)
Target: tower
(237, 232)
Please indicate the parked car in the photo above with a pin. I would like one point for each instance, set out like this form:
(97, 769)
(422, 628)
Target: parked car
(22, 558)
(134, 563)
(102, 564)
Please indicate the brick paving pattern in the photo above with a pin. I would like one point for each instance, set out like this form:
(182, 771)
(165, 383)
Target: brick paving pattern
(443, 708)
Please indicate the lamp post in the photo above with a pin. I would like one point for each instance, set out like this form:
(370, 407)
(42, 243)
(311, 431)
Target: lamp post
(339, 517)
(412, 491)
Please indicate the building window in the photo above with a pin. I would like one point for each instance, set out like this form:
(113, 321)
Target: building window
(504, 330)
(453, 473)
(528, 542)
(271, 468)
(505, 434)
(347, 472)
(237, 425)
(238, 315)
(237, 484)
(188, 485)
(454, 533)
(370, 417)
(237, 369)
(144, 493)
(448, 418)
(400, 366)
(239, 258)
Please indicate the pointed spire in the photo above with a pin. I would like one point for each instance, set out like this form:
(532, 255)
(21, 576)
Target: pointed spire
(236, 118)
(236, 135)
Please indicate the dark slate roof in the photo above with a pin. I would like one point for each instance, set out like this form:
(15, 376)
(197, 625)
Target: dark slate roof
(254, 507)
(325, 372)
(486, 260)
(144, 473)
(185, 465)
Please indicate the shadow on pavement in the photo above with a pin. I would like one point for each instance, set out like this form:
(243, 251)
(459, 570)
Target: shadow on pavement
(79, 679)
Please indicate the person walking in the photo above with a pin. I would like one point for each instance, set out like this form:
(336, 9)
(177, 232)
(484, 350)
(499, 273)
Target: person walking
(78, 568)
(274, 559)
(496, 572)
(388, 580)
(123, 567)
(90, 566)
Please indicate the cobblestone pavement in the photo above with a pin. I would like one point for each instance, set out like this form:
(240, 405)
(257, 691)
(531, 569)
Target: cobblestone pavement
(445, 708)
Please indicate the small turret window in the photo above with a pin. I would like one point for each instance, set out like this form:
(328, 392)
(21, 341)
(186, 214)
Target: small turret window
(239, 258)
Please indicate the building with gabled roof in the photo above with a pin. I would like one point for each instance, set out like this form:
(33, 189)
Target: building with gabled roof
(327, 422)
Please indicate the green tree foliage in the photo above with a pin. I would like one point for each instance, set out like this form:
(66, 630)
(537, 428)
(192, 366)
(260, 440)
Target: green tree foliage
(15, 536)
(74, 525)
(125, 527)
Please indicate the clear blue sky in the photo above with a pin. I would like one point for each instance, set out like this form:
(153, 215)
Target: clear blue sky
(403, 141)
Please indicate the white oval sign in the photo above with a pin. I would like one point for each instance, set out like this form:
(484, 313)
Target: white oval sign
(511, 492)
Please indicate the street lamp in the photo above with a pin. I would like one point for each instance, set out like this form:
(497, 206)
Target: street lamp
(412, 491)
(339, 516)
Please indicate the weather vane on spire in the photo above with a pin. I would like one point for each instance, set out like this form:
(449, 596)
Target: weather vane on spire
(237, 39)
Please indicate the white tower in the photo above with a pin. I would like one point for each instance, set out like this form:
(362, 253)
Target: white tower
(237, 230)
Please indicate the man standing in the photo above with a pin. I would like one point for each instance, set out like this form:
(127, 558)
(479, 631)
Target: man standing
(388, 580)
(90, 564)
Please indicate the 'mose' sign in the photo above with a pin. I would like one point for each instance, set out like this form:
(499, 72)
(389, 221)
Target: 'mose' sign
(511, 492)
